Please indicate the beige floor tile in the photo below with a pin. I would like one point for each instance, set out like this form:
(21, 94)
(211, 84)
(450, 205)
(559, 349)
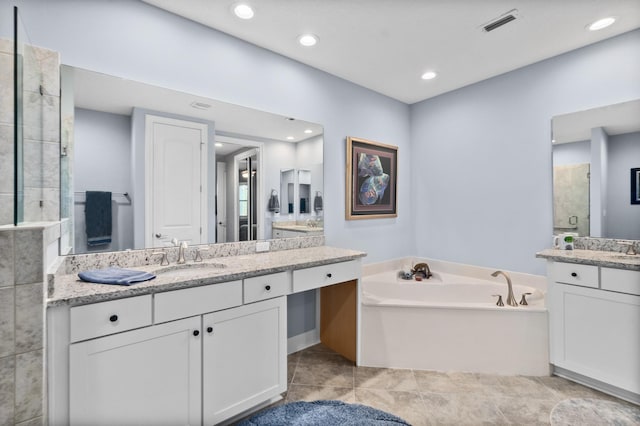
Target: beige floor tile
(385, 378)
(314, 393)
(468, 408)
(340, 376)
(406, 405)
(434, 381)
(324, 358)
(514, 386)
(562, 389)
(526, 411)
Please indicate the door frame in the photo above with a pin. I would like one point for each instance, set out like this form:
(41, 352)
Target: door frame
(259, 148)
(149, 121)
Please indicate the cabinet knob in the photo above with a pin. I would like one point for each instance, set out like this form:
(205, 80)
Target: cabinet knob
(574, 274)
(209, 329)
(267, 287)
(196, 333)
(329, 275)
(113, 318)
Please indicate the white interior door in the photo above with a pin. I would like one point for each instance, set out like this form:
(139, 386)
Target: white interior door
(221, 202)
(176, 204)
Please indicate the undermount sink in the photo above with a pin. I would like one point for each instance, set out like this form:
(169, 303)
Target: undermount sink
(188, 269)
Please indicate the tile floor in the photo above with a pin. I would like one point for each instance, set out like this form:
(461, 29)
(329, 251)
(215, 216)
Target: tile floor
(427, 397)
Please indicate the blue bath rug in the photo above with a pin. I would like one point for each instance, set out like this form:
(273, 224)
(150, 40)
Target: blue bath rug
(323, 413)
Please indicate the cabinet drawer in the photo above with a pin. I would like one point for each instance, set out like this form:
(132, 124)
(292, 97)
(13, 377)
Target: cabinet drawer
(178, 304)
(100, 319)
(320, 276)
(572, 273)
(621, 280)
(266, 287)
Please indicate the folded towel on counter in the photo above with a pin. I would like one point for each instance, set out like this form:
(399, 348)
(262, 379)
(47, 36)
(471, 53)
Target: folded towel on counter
(97, 212)
(114, 275)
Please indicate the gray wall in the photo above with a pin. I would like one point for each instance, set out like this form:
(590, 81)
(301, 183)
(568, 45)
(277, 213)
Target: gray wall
(481, 155)
(102, 162)
(474, 164)
(572, 153)
(159, 48)
(623, 218)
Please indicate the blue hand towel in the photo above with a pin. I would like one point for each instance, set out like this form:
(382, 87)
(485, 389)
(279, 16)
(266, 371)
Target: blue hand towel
(97, 212)
(115, 276)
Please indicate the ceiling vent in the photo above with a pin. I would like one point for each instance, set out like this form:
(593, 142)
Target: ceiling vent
(502, 20)
(200, 105)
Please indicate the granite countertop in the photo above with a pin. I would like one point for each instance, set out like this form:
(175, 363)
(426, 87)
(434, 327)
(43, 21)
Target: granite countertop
(70, 290)
(297, 227)
(609, 259)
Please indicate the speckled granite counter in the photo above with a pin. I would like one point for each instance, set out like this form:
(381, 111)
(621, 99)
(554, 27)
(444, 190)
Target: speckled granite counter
(70, 290)
(609, 259)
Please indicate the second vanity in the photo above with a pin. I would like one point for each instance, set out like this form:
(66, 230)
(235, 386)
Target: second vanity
(594, 319)
(199, 344)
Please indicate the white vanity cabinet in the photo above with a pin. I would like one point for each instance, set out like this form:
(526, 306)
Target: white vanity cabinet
(244, 358)
(184, 357)
(152, 373)
(594, 317)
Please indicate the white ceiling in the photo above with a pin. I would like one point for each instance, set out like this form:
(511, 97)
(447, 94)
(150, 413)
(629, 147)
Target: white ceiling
(386, 45)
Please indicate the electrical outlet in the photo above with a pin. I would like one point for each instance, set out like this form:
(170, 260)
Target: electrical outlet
(262, 246)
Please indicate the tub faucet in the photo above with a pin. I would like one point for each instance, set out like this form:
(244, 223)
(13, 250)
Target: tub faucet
(423, 269)
(511, 301)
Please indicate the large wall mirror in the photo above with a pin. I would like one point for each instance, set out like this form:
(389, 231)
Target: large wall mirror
(594, 152)
(144, 166)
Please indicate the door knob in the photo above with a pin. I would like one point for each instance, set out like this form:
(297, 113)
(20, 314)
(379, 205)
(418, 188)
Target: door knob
(158, 235)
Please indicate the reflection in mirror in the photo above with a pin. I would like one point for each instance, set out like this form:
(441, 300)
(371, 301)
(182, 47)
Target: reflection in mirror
(593, 151)
(175, 166)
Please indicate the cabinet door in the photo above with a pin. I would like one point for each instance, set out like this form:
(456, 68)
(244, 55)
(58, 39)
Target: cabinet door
(595, 333)
(244, 358)
(145, 376)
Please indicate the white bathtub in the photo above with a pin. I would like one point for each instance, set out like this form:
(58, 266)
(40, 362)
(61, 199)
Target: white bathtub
(451, 323)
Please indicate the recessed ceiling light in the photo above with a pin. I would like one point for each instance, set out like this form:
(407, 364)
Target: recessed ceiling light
(308, 131)
(218, 144)
(290, 138)
(243, 11)
(308, 40)
(429, 75)
(601, 23)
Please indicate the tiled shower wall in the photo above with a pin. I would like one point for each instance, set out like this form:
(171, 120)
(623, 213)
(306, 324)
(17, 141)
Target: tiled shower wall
(6, 132)
(23, 249)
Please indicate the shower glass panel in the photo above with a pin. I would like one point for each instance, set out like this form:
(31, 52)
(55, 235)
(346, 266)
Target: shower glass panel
(28, 113)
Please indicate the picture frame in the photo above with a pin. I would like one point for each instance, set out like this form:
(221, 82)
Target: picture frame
(635, 185)
(371, 180)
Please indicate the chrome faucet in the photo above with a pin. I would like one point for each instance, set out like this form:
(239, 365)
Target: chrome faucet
(183, 246)
(511, 301)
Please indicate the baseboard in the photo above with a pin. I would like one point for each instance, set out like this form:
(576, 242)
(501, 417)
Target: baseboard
(303, 340)
(597, 385)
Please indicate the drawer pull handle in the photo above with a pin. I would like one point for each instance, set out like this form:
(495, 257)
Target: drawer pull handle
(113, 318)
(209, 329)
(574, 274)
(329, 275)
(196, 333)
(267, 287)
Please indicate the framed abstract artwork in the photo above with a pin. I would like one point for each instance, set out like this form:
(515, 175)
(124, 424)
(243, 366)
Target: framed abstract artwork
(635, 185)
(372, 179)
